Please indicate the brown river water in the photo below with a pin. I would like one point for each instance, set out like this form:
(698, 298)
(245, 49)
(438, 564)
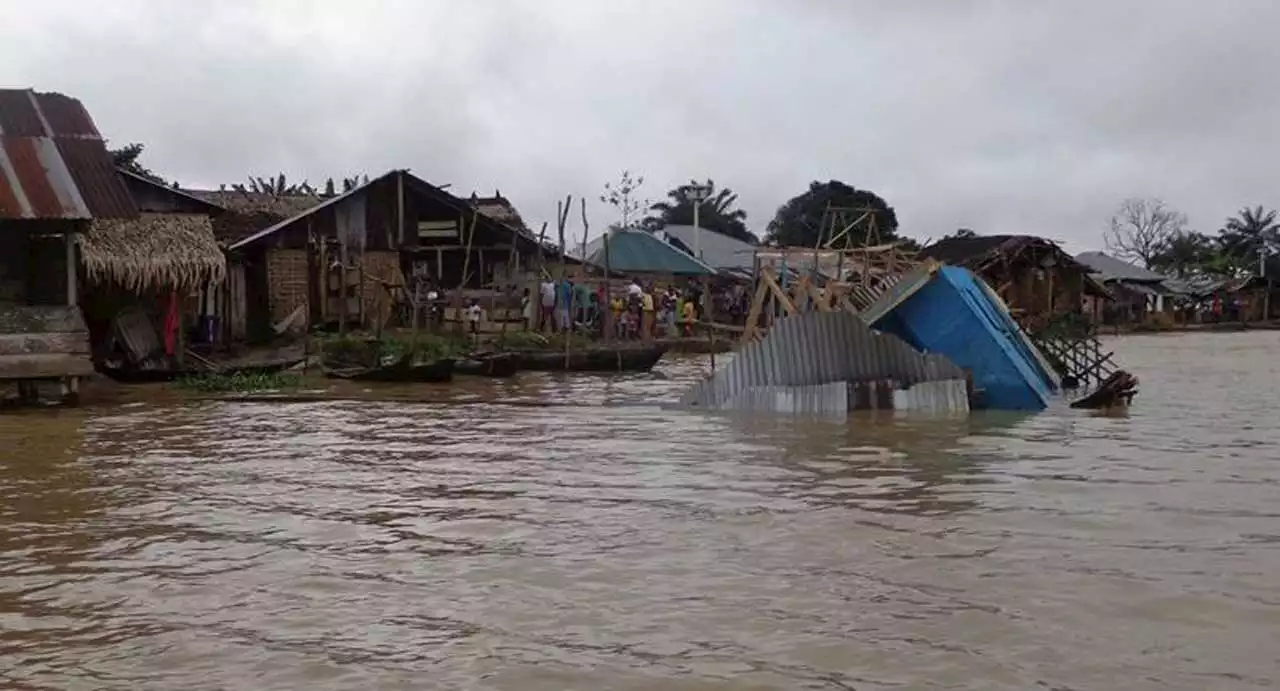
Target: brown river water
(585, 537)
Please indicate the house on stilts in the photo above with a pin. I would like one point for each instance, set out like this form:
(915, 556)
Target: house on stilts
(150, 281)
(361, 258)
(56, 179)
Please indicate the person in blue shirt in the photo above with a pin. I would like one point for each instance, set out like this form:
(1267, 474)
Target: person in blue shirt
(564, 290)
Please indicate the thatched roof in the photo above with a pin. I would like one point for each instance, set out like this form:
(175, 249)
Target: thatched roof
(176, 251)
(246, 202)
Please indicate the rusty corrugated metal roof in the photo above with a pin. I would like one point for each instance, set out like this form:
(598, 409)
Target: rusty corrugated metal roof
(53, 161)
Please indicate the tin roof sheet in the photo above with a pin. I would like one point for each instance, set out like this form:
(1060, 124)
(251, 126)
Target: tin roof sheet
(53, 161)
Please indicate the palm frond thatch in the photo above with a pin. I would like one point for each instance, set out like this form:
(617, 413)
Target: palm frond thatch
(176, 251)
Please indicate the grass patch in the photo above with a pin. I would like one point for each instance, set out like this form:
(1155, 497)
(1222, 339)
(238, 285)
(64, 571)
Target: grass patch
(363, 350)
(241, 382)
(532, 340)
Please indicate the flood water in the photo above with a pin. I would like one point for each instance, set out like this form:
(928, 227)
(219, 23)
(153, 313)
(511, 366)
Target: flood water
(605, 542)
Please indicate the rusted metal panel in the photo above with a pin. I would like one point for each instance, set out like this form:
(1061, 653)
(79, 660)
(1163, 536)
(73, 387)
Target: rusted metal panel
(95, 178)
(29, 180)
(54, 163)
(13, 201)
(64, 116)
(18, 116)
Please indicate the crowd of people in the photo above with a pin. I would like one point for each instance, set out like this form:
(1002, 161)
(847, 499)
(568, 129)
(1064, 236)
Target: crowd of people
(644, 312)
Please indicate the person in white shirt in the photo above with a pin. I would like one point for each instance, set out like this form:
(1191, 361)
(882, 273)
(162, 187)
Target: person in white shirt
(547, 295)
(474, 315)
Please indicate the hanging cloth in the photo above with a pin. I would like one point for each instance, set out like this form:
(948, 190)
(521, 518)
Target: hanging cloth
(171, 324)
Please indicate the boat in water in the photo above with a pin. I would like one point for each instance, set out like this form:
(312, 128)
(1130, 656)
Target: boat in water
(600, 359)
(402, 369)
(496, 365)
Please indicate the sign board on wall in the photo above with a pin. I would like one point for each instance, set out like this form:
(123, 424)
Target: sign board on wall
(437, 229)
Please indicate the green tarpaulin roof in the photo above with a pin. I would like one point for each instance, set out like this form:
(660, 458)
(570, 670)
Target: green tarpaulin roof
(639, 251)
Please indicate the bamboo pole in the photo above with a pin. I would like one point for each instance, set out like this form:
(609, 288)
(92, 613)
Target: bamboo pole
(609, 326)
(586, 228)
(562, 218)
(510, 281)
(466, 267)
(343, 307)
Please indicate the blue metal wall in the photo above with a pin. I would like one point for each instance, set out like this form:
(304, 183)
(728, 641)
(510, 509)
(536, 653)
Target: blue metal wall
(953, 315)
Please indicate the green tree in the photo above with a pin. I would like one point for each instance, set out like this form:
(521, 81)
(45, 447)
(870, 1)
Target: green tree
(716, 213)
(1188, 254)
(1246, 236)
(128, 158)
(278, 186)
(803, 220)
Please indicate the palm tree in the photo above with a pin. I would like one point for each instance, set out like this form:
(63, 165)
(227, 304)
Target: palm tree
(716, 213)
(1249, 234)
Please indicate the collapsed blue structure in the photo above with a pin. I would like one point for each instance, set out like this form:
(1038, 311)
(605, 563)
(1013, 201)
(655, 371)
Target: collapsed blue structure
(939, 339)
(950, 311)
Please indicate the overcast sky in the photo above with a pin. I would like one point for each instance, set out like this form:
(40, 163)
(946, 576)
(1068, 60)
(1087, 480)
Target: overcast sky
(1017, 116)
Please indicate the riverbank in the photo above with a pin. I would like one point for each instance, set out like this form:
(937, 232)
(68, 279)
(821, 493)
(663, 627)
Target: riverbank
(1207, 327)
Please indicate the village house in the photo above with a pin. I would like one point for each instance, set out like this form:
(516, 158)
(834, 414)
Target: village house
(1136, 292)
(1038, 281)
(56, 177)
(149, 282)
(393, 233)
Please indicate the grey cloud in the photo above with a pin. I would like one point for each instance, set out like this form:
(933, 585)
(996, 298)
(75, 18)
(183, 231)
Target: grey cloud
(1000, 115)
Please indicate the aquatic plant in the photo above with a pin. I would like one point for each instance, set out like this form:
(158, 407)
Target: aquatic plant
(366, 350)
(241, 382)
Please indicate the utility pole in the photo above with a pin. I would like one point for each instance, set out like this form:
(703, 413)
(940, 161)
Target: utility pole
(697, 193)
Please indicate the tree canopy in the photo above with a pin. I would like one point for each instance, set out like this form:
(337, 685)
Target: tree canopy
(1141, 229)
(128, 157)
(716, 213)
(803, 220)
(1154, 235)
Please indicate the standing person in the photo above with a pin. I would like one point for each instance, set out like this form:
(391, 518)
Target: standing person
(582, 302)
(689, 317)
(672, 301)
(564, 293)
(646, 314)
(547, 298)
(526, 311)
(474, 314)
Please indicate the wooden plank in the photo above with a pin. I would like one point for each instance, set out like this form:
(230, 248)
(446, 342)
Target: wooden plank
(45, 344)
(24, 319)
(496, 314)
(45, 366)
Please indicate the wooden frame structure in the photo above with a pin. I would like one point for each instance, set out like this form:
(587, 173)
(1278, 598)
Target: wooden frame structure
(790, 280)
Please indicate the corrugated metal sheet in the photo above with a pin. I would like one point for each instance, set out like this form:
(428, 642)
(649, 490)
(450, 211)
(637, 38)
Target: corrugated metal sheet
(939, 397)
(906, 286)
(821, 399)
(837, 399)
(814, 348)
(53, 161)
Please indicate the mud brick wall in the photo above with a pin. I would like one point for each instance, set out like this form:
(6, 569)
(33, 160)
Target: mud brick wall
(287, 281)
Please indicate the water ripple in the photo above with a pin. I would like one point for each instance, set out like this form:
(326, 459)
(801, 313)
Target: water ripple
(581, 535)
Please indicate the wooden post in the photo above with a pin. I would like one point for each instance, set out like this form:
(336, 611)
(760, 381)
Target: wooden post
(70, 385)
(400, 208)
(609, 327)
(510, 282)
(562, 217)
(343, 307)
